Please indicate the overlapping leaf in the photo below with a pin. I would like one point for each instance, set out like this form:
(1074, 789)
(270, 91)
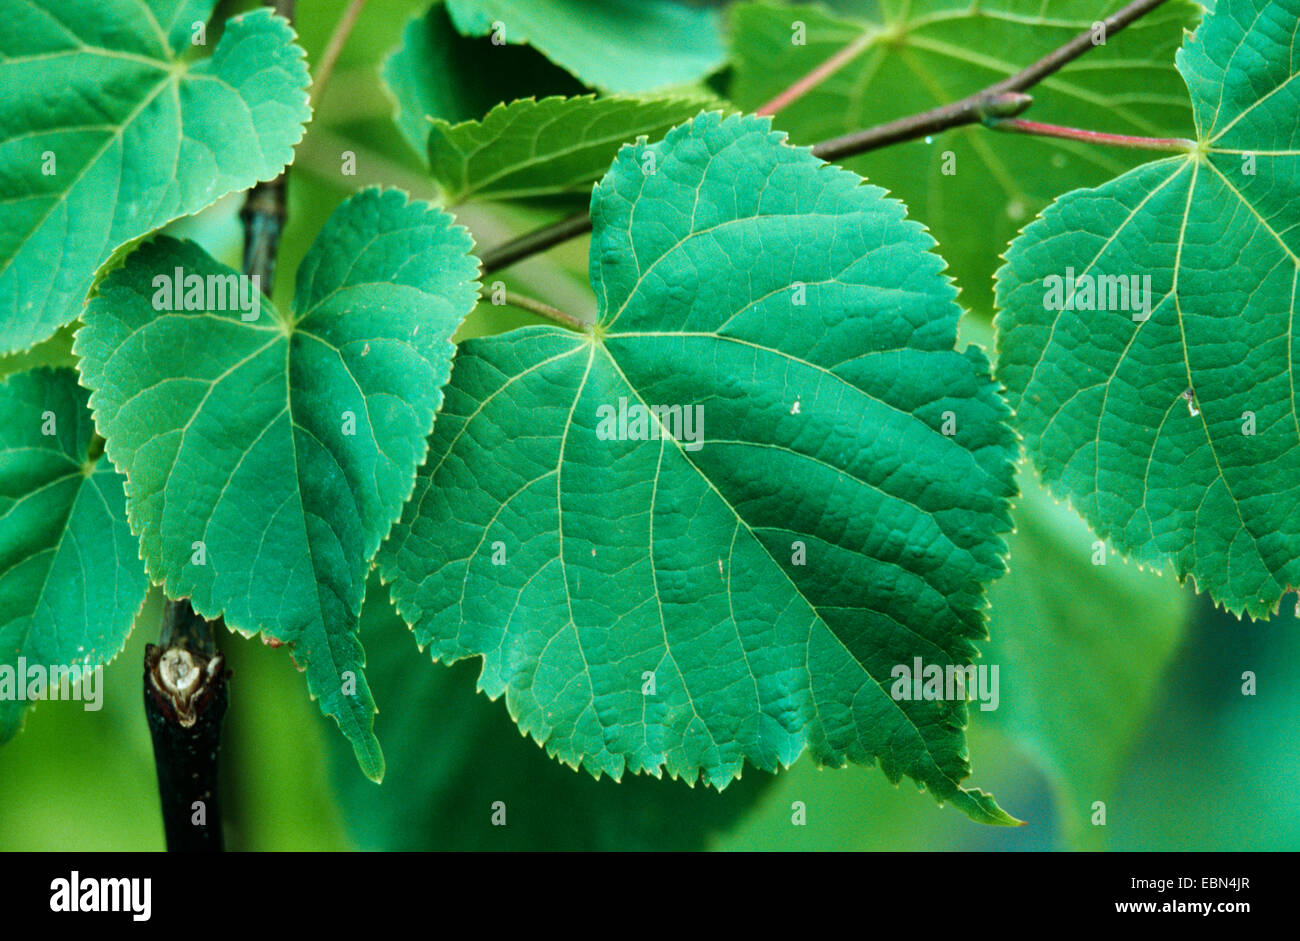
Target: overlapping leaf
(555, 146)
(452, 756)
(438, 73)
(1082, 640)
(1156, 387)
(108, 130)
(644, 604)
(611, 45)
(71, 581)
(916, 55)
(286, 445)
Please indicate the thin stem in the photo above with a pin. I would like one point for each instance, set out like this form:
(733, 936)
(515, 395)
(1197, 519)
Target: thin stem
(532, 243)
(330, 57)
(981, 107)
(541, 309)
(1039, 129)
(819, 74)
(990, 105)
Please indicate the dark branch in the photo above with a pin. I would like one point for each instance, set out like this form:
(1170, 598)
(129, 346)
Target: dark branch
(532, 243)
(185, 699)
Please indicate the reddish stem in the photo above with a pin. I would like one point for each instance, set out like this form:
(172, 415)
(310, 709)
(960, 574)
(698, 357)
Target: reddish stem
(817, 75)
(1038, 129)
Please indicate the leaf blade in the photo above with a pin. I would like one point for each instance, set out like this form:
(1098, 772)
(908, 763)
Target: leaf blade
(284, 445)
(71, 580)
(1180, 445)
(614, 46)
(586, 611)
(177, 138)
(932, 53)
(536, 148)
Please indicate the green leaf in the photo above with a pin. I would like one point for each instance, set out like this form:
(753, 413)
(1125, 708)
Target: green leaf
(438, 73)
(71, 582)
(1079, 677)
(911, 57)
(808, 320)
(109, 131)
(452, 755)
(285, 444)
(1175, 434)
(613, 45)
(554, 146)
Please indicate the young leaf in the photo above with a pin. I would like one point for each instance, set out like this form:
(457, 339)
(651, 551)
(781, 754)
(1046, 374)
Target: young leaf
(110, 131)
(554, 146)
(614, 45)
(439, 73)
(741, 594)
(71, 582)
(452, 755)
(933, 52)
(1147, 336)
(268, 454)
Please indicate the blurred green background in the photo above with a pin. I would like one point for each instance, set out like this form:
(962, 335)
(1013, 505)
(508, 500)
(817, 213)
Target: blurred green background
(1117, 685)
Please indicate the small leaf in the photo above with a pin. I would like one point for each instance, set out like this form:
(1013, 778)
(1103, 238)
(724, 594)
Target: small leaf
(284, 445)
(1147, 334)
(71, 581)
(641, 601)
(554, 146)
(614, 45)
(111, 131)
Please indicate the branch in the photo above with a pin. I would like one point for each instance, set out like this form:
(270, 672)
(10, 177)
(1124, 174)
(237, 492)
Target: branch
(534, 242)
(971, 109)
(185, 699)
(991, 105)
(978, 108)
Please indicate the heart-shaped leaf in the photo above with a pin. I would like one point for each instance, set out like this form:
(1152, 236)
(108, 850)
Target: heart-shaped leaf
(1147, 333)
(110, 131)
(71, 581)
(269, 454)
(828, 510)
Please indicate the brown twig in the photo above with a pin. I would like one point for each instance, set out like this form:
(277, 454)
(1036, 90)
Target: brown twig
(968, 109)
(992, 105)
